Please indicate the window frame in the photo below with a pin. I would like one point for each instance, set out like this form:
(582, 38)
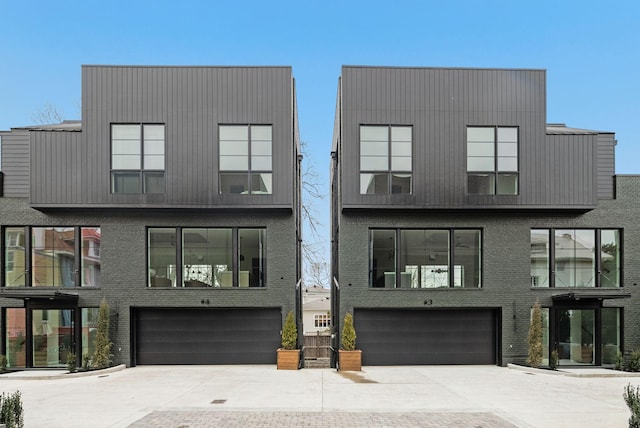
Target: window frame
(496, 172)
(29, 248)
(389, 171)
(238, 280)
(552, 263)
(322, 321)
(397, 281)
(250, 173)
(142, 172)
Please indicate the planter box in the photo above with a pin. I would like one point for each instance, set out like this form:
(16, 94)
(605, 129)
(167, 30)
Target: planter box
(350, 360)
(288, 359)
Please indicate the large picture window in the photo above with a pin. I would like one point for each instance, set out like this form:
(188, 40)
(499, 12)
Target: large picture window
(137, 158)
(207, 257)
(246, 159)
(425, 258)
(575, 258)
(385, 160)
(53, 256)
(492, 160)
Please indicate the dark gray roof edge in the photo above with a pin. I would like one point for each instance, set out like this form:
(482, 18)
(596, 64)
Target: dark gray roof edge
(65, 125)
(563, 129)
(417, 67)
(287, 67)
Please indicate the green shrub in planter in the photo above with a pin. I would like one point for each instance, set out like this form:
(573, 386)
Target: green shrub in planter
(289, 332)
(632, 398)
(11, 411)
(348, 341)
(3, 364)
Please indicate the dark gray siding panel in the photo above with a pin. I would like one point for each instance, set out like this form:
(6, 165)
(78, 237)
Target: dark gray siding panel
(56, 164)
(440, 104)
(15, 163)
(606, 165)
(191, 102)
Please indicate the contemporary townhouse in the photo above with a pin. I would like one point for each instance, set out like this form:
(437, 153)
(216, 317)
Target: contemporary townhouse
(176, 198)
(456, 206)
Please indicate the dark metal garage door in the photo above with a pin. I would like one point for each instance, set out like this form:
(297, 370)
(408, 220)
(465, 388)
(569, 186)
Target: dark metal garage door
(207, 336)
(412, 337)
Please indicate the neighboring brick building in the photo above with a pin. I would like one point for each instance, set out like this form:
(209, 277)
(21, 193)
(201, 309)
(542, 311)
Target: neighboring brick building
(176, 198)
(456, 207)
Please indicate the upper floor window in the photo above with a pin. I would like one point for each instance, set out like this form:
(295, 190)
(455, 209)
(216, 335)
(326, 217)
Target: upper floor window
(207, 257)
(53, 257)
(137, 158)
(492, 160)
(575, 258)
(425, 258)
(385, 160)
(246, 159)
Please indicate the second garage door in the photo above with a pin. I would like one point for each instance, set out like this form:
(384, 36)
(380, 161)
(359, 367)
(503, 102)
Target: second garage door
(207, 336)
(413, 337)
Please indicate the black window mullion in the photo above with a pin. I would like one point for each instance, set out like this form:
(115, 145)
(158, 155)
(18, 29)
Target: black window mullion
(235, 260)
(77, 259)
(179, 259)
(29, 335)
(451, 266)
(396, 249)
(27, 257)
(552, 257)
(598, 266)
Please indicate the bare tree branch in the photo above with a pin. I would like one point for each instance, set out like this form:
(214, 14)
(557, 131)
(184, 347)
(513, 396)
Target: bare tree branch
(315, 265)
(48, 115)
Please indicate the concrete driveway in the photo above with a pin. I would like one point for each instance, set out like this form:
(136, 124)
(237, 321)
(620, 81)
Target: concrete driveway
(203, 396)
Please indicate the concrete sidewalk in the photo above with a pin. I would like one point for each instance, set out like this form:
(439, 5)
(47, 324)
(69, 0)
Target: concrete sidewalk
(202, 396)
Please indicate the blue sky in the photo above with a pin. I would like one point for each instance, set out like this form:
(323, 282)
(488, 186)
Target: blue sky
(590, 49)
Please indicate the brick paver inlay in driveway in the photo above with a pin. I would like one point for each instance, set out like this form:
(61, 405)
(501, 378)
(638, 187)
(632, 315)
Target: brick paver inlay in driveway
(203, 419)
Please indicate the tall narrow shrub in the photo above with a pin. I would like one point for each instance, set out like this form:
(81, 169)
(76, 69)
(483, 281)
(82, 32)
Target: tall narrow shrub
(289, 332)
(632, 398)
(534, 357)
(11, 411)
(102, 354)
(348, 342)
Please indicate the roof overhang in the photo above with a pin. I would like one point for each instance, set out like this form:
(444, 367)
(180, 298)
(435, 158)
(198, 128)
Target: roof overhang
(53, 295)
(590, 295)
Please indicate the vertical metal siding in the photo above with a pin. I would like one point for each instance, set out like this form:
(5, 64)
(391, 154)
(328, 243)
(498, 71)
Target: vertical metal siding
(191, 102)
(606, 165)
(15, 163)
(440, 104)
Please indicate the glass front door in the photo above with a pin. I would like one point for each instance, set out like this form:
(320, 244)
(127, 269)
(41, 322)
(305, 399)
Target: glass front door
(53, 336)
(575, 334)
(16, 337)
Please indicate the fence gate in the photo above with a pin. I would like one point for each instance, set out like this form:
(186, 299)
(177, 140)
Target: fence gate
(317, 350)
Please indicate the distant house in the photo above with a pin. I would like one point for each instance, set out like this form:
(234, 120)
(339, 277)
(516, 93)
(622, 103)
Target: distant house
(316, 310)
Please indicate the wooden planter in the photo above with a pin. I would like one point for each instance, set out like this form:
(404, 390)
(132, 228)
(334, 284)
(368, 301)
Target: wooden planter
(288, 359)
(350, 360)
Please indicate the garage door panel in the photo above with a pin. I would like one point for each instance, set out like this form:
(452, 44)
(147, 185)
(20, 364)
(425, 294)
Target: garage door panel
(207, 336)
(390, 337)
